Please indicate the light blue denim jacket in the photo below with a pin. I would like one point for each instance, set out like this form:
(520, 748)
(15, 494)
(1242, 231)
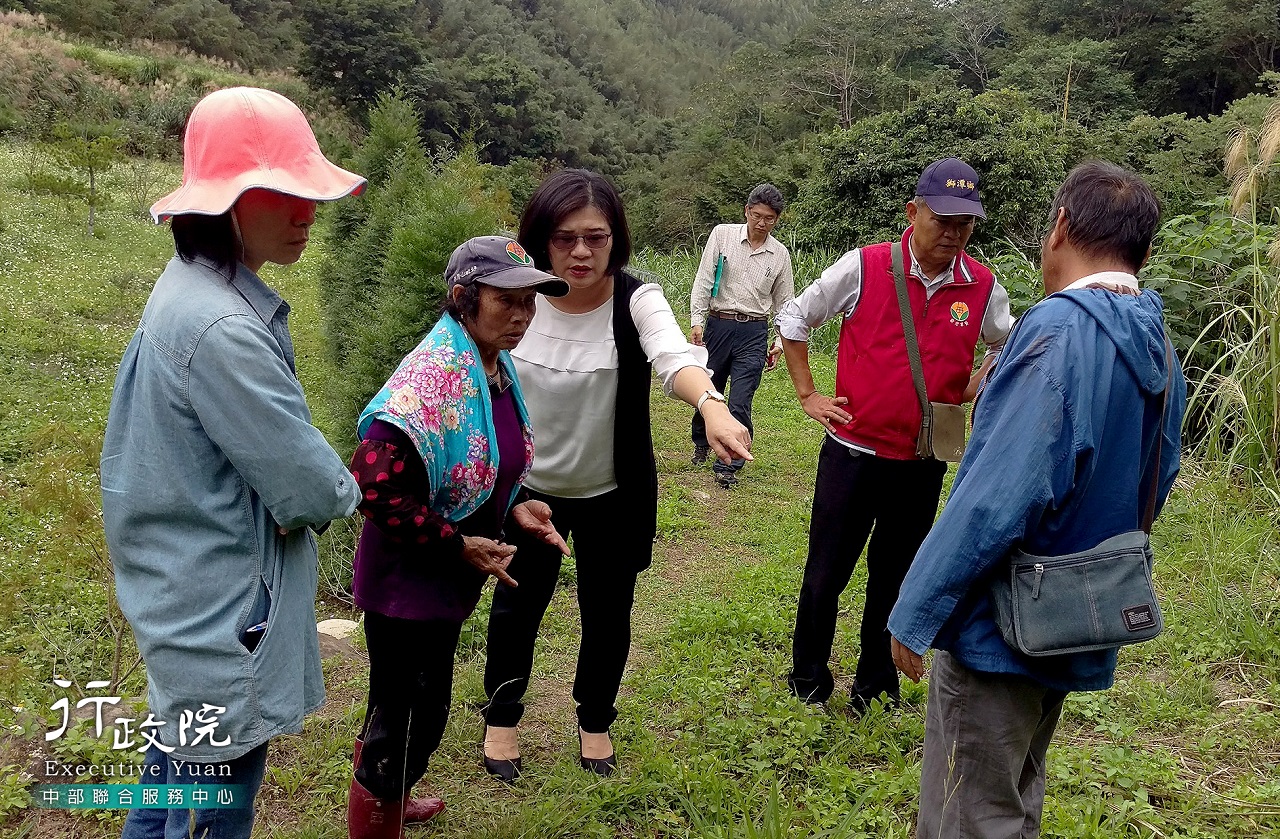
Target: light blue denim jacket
(209, 449)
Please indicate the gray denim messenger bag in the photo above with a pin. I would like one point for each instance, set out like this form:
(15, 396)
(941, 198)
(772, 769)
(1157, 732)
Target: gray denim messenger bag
(1092, 600)
(1096, 599)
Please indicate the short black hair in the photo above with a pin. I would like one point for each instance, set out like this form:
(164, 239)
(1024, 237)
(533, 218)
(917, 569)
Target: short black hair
(565, 192)
(466, 307)
(1110, 212)
(769, 195)
(210, 237)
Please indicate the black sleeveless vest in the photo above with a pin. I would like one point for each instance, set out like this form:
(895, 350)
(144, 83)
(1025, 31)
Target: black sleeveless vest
(633, 463)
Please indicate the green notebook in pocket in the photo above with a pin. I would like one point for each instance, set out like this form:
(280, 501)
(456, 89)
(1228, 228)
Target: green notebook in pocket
(715, 284)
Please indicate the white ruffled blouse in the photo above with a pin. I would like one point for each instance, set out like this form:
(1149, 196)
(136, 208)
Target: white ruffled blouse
(568, 369)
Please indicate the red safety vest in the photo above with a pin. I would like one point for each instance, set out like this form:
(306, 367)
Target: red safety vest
(872, 370)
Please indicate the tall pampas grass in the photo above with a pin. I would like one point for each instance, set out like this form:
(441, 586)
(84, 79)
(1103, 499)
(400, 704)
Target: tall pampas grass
(1237, 398)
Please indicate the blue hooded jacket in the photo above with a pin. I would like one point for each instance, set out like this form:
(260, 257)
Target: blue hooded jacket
(1063, 441)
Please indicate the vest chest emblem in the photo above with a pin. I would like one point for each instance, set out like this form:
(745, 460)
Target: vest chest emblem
(960, 313)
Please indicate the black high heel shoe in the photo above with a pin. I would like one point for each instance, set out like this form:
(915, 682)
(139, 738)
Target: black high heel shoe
(602, 766)
(504, 769)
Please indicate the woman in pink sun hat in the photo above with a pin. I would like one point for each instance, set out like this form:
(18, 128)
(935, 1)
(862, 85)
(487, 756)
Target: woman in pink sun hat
(214, 481)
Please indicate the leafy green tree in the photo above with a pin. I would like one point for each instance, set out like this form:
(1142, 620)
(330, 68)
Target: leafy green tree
(1221, 50)
(356, 235)
(705, 183)
(220, 33)
(865, 175)
(1099, 20)
(90, 150)
(751, 100)
(384, 286)
(85, 16)
(271, 22)
(853, 59)
(975, 28)
(1078, 79)
(1181, 157)
(1246, 31)
(357, 48)
(493, 99)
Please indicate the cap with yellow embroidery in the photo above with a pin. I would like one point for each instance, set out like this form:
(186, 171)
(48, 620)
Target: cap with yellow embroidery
(950, 188)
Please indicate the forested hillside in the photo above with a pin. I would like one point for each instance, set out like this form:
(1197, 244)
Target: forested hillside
(587, 83)
(689, 102)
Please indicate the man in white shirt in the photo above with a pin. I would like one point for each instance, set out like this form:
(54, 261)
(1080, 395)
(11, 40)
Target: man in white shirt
(744, 277)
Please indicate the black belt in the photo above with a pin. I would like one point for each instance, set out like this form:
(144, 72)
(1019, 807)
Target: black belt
(738, 316)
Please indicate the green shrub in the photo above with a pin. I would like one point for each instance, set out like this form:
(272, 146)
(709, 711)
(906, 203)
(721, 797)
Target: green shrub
(866, 174)
(48, 183)
(384, 287)
(10, 120)
(1016, 269)
(13, 793)
(148, 71)
(1222, 296)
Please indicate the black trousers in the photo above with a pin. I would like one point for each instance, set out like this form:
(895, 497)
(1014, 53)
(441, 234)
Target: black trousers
(410, 683)
(606, 590)
(735, 351)
(856, 495)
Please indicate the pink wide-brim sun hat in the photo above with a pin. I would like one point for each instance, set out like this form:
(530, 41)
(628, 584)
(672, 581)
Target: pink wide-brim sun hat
(243, 138)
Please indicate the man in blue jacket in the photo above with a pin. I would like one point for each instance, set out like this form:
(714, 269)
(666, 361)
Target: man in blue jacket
(1063, 445)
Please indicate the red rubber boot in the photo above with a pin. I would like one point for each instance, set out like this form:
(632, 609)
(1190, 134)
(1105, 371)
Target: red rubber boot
(372, 818)
(416, 810)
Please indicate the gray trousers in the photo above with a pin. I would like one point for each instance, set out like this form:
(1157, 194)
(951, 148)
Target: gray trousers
(985, 739)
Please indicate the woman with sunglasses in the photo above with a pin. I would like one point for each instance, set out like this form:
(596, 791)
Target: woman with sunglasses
(585, 365)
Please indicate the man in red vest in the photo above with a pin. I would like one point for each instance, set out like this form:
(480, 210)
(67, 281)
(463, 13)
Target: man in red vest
(870, 481)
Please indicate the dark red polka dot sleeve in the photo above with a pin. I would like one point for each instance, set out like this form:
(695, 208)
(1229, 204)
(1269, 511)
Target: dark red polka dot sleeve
(394, 488)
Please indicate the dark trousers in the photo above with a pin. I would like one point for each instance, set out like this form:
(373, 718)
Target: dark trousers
(735, 353)
(856, 495)
(410, 683)
(985, 740)
(606, 589)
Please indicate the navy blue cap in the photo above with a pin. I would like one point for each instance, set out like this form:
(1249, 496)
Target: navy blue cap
(950, 188)
(500, 262)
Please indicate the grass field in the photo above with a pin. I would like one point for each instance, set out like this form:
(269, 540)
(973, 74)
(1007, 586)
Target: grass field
(1186, 745)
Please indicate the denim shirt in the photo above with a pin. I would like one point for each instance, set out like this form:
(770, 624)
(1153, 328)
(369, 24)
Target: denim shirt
(1060, 459)
(209, 450)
